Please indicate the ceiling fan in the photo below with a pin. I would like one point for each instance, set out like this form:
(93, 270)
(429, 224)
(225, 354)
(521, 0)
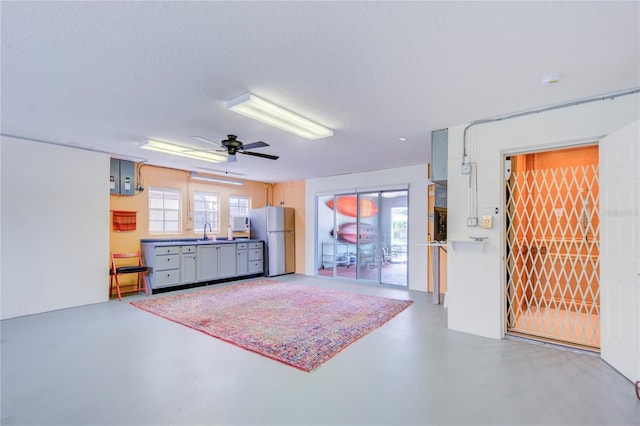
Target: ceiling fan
(232, 146)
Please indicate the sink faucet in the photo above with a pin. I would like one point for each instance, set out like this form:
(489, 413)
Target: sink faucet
(204, 237)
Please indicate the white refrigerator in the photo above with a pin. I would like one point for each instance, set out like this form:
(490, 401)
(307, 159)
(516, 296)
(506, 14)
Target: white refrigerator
(275, 226)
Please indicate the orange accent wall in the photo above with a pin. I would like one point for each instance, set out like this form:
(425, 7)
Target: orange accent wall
(153, 176)
(161, 177)
(290, 194)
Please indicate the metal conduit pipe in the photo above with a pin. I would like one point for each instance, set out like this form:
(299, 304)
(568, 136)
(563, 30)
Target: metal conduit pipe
(467, 168)
(611, 96)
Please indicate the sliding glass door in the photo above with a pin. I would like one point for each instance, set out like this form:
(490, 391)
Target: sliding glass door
(363, 236)
(394, 214)
(368, 247)
(345, 234)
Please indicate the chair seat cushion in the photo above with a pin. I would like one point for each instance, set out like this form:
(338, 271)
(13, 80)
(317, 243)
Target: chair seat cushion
(131, 269)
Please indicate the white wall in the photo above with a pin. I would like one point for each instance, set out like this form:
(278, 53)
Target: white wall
(475, 296)
(414, 176)
(54, 227)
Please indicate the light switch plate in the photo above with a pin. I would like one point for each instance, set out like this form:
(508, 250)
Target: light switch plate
(487, 221)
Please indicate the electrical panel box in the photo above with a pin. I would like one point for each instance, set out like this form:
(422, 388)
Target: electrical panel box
(122, 177)
(114, 178)
(439, 156)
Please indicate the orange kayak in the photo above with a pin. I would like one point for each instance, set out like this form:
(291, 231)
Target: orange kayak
(348, 206)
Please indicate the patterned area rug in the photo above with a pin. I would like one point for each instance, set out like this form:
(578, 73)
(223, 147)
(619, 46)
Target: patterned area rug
(295, 324)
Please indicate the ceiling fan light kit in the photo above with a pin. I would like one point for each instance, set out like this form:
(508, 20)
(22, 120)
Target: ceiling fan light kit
(183, 151)
(259, 109)
(196, 176)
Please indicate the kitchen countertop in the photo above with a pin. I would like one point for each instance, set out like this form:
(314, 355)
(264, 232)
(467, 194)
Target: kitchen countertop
(163, 242)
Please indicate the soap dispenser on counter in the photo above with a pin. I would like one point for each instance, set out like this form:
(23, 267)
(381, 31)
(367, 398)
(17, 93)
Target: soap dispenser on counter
(230, 233)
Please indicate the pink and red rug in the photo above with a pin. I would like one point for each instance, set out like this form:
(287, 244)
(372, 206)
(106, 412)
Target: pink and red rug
(298, 325)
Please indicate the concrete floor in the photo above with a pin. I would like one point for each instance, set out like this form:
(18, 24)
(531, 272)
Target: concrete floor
(113, 364)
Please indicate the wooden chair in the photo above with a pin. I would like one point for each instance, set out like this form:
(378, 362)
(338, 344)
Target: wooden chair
(128, 263)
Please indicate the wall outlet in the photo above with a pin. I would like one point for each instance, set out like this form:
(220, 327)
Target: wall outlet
(472, 221)
(188, 225)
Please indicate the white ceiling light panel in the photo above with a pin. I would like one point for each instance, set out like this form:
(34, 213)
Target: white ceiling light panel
(259, 109)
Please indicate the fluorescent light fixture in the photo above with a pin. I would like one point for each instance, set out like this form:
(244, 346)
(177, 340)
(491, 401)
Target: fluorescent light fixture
(196, 176)
(183, 151)
(257, 108)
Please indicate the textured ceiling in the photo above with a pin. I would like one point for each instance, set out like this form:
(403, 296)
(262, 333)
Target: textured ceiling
(109, 75)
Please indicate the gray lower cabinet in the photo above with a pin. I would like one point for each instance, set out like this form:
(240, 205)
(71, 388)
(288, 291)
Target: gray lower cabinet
(255, 259)
(173, 265)
(188, 265)
(208, 263)
(216, 261)
(250, 258)
(242, 261)
(227, 261)
(166, 267)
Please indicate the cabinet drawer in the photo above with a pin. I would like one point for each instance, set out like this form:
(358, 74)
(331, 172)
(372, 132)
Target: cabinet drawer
(255, 245)
(171, 261)
(241, 246)
(255, 254)
(188, 249)
(167, 250)
(166, 278)
(255, 266)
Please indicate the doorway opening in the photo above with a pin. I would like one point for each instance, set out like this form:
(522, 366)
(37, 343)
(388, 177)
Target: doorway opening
(553, 247)
(363, 236)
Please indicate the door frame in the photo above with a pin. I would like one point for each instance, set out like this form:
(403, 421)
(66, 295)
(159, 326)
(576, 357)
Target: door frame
(604, 346)
(318, 243)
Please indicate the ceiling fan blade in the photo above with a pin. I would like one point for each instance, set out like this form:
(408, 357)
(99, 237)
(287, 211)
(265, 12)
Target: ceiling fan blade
(231, 158)
(254, 145)
(259, 154)
(205, 140)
